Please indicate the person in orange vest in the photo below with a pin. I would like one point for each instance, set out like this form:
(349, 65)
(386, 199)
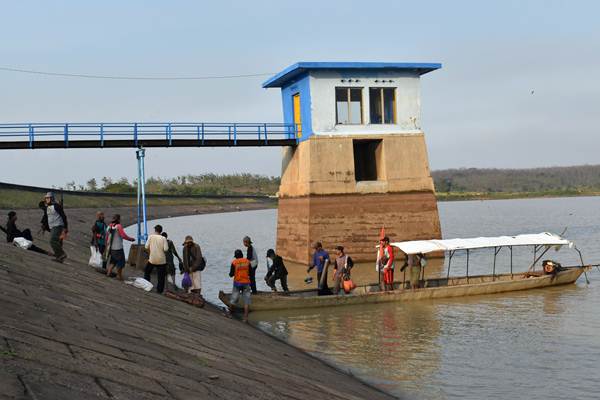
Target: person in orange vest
(240, 272)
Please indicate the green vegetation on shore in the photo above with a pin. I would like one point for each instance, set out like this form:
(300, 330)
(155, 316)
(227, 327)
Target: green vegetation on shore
(458, 196)
(187, 185)
(450, 184)
(569, 181)
(20, 199)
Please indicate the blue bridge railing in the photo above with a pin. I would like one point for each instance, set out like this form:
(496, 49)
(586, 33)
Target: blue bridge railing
(97, 134)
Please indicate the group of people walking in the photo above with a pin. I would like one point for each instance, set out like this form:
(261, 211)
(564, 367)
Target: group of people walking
(108, 239)
(162, 252)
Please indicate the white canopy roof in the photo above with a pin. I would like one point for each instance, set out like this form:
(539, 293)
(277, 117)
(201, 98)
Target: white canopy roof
(428, 246)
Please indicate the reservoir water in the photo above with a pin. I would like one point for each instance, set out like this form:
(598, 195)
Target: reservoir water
(538, 344)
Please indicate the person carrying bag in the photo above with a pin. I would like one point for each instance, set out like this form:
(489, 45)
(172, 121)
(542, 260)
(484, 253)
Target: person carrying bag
(193, 264)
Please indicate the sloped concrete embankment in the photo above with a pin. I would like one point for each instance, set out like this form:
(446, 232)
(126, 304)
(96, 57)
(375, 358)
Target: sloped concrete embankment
(68, 332)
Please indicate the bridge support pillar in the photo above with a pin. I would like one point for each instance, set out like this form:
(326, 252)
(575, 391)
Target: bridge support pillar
(341, 190)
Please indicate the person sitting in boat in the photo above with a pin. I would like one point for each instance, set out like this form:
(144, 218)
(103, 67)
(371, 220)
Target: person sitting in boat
(276, 271)
(321, 262)
(240, 272)
(385, 264)
(342, 267)
(416, 262)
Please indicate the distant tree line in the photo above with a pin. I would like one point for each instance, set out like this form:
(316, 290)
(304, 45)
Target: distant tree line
(576, 179)
(584, 178)
(188, 185)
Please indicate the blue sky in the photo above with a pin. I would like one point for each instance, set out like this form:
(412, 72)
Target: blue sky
(478, 110)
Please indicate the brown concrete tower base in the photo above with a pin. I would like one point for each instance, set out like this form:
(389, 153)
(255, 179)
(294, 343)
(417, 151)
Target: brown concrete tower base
(353, 221)
(321, 199)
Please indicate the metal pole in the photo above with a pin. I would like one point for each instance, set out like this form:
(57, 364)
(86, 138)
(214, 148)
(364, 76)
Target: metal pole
(265, 127)
(582, 266)
(142, 235)
(532, 266)
(511, 262)
(467, 265)
(144, 197)
(101, 135)
(66, 134)
(449, 262)
(139, 198)
(494, 268)
(30, 136)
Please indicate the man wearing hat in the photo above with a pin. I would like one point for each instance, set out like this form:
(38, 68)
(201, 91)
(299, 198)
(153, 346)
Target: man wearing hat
(55, 222)
(253, 258)
(193, 263)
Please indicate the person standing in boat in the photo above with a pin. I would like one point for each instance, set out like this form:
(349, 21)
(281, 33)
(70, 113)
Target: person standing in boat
(416, 262)
(253, 258)
(277, 271)
(385, 264)
(342, 267)
(240, 272)
(320, 261)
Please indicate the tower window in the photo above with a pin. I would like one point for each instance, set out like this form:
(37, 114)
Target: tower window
(348, 106)
(382, 104)
(366, 155)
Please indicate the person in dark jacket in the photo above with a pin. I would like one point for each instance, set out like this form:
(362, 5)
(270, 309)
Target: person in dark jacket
(277, 271)
(193, 263)
(13, 232)
(99, 232)
(55, 222)
(171, 254)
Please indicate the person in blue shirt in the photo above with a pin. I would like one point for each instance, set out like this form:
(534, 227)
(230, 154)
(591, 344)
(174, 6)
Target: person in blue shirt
(320, 261)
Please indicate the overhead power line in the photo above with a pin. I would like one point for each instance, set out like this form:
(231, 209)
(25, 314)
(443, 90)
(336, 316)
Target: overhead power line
(134, 78)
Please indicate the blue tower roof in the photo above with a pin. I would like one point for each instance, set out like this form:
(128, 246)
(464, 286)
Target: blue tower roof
(291, 72)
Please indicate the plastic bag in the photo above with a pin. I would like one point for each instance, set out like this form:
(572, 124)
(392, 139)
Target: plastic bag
(349, 285)
(186, 282)
(22, 243)
(141, 283)
(95, 258)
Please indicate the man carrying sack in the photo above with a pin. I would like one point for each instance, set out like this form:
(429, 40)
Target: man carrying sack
(193, 263)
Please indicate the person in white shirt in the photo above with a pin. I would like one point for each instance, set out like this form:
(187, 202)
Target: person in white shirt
(157, 247)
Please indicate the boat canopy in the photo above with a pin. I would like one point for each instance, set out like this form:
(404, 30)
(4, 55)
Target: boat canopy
(428, 246)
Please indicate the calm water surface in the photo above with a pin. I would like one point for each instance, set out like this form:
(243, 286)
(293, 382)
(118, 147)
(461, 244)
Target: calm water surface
(539, 344)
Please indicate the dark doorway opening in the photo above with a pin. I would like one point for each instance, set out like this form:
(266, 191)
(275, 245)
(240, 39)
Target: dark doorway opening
(365, 159)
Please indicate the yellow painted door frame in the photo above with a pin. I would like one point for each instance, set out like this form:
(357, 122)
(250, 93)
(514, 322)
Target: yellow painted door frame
(297, 113)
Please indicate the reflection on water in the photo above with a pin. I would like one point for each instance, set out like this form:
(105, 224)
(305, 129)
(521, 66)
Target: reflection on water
(538, 344)
(399, 341)
(532, 344)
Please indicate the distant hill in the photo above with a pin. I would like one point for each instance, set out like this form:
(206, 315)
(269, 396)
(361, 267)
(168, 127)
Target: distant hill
(558, 180)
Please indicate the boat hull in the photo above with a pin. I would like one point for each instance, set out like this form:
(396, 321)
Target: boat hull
(434, 289)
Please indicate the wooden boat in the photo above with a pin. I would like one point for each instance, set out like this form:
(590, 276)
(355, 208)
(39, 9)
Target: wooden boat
(433, 289)
(436, 288)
